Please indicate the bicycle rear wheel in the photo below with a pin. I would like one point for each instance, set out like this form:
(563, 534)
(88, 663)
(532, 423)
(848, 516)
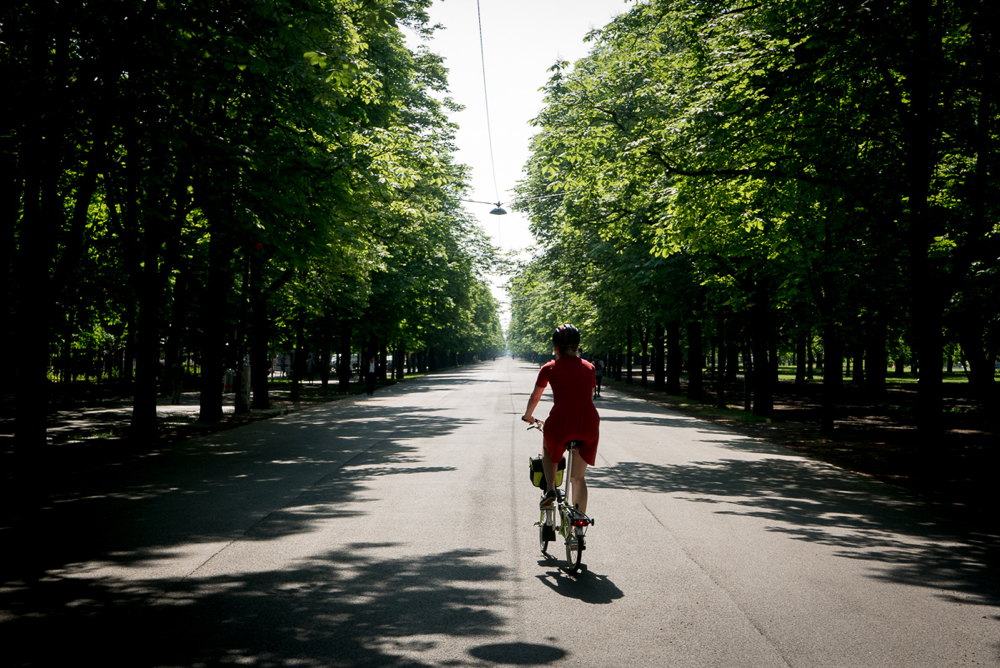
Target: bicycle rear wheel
(574, 552)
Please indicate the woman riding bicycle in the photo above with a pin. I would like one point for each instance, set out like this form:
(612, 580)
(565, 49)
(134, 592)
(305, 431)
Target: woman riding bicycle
(573, 416)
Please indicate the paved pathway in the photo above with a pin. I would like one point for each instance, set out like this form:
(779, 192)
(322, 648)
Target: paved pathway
(397, 530)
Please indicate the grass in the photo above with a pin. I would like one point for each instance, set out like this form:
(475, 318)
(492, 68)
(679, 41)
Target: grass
(787, 373)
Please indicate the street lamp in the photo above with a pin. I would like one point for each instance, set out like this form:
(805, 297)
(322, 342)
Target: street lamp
(497, 210)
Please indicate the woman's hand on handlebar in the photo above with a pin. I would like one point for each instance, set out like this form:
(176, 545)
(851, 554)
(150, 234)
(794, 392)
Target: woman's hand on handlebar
(533, 422)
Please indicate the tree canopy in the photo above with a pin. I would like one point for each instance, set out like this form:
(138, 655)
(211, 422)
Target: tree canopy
(757, 178)
(205, 186)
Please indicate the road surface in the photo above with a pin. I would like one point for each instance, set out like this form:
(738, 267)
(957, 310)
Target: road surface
(397, 530)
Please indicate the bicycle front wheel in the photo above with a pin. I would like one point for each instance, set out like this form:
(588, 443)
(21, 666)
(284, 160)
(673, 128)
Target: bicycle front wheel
(546, 531)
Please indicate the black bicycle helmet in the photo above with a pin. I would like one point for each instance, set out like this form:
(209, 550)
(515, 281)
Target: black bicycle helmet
(566, 337)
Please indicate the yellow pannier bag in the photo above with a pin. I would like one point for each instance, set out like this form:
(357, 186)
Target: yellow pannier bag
(538, 475)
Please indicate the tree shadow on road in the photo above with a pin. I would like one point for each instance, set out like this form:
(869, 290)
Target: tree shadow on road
(73, 575)
(439, 381)
(635, 410)
(295, 471)
(354, 607)
(906, 539)
(673, 421)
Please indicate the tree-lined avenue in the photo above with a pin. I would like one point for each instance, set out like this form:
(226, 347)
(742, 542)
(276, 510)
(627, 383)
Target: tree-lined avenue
(397, 530)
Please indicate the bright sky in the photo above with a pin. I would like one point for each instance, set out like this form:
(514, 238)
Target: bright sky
(522, 39)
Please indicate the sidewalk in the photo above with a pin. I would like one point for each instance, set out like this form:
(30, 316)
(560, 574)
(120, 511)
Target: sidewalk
(91, 441)
(110, 418)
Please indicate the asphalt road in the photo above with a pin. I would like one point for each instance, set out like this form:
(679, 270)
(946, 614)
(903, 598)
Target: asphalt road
(397, 531)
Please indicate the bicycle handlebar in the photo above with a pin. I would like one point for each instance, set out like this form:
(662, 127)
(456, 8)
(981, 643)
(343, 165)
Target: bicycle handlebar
(538, 424)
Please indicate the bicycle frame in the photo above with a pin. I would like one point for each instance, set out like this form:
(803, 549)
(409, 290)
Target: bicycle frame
(572, 524)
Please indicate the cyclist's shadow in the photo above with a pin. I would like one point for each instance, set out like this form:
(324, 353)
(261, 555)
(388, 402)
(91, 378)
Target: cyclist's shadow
(585, 586)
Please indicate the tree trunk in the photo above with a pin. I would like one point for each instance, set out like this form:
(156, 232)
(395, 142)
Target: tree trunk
(399, 360)
(659, 358)
(628, 355)
(260, 358)
(344, 355)
(748, 371)
(762, 332)
(298, 357)
(974, 328)
(324, 354)
(149, 295)
(721, 372)
(214, 325)
(733, 338)
(147, 350)
(801, 358)
(173, 370)
(644, 344)
(696, 386)
(241, 404)
(925, 281)
(876, 357)
(675, 358)
(383, 360)
(833, 369)
(41, 144)
(32, 305)
(858, 366)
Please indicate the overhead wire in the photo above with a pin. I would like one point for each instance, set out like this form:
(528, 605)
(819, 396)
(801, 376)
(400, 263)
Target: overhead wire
(486, 101)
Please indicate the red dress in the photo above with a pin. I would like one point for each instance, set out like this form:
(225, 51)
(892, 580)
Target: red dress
(573, 416)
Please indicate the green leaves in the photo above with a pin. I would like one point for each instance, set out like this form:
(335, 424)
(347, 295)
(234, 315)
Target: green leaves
(290, 154)
(780, 150)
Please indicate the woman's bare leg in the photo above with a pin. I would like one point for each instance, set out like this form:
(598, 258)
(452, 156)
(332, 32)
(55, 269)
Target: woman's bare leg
(549, 469)
(579, 481)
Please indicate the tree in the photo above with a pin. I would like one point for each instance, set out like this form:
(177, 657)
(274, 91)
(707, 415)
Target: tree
(796, 154)
(205, 179)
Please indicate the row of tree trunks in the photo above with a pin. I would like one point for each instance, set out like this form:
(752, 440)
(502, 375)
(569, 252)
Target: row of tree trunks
(925, 280)
(43, 145)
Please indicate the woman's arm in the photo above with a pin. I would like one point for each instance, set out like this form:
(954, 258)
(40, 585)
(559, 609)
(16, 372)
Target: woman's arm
(533, 400)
